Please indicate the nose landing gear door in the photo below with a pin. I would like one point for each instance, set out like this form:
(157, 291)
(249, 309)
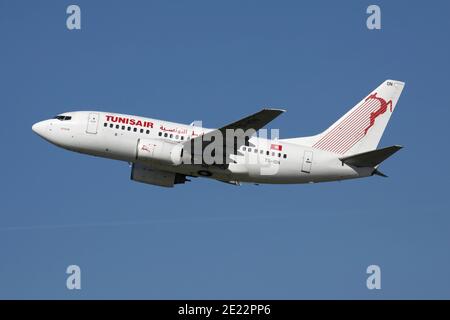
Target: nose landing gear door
(92, 123)
(307, 161)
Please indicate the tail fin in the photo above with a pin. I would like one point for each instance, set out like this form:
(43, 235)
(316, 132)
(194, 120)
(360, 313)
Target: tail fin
(361, 128)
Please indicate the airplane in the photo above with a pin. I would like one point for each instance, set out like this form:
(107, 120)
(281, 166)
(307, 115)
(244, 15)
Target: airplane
(165, 153)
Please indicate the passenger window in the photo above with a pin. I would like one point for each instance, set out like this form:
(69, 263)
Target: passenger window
(142, 130)
(129, 128)
(147, 132)
(111, 125)
(244, 148)
(134, 129)
(177, 136)
(256, 150)
(261, 151)
(123, 127)
(165, 135)
(273, 154)
(249, 149)
(171, 135)
(117, 126)
(182, 137)
(285, 156)
(105, 124)
(160, 133)
(279, 155)
(267, 152)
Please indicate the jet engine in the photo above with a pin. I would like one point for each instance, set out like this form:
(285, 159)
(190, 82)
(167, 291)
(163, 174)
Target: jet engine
(159, 151)
(149, 175)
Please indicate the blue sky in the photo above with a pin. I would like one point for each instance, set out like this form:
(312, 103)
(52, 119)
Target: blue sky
(217, 61)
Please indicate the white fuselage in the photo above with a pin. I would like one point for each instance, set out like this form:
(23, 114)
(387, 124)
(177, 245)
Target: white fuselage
(116, 136)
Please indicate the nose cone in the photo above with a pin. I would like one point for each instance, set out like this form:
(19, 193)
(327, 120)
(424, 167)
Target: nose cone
(39, 128)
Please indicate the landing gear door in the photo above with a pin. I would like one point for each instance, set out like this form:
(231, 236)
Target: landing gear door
(92, 123)
(307, 161)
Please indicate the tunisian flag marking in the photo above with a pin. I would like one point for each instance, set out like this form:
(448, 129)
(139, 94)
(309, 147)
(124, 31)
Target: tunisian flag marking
(277, 147)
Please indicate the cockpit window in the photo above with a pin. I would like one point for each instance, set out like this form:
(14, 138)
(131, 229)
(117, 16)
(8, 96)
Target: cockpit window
(63, 118)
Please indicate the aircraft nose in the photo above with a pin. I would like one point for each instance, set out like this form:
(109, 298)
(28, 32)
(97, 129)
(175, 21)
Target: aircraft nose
(39, 128)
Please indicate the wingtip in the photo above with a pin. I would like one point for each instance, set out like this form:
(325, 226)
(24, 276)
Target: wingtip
(275, 109)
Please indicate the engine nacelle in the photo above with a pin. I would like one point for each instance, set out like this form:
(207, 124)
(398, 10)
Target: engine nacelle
(149, 175)
(154, 150)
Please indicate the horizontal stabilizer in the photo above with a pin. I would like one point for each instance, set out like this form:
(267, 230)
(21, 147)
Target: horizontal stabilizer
(377, 172)
(370, 158)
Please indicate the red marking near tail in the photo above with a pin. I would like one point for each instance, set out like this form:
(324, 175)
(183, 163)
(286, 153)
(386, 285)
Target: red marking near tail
(355, 126)
(277, 147)
(379, 112)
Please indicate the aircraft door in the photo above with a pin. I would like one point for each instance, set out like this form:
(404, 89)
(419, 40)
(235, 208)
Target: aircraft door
(92, 123)
(307, 161)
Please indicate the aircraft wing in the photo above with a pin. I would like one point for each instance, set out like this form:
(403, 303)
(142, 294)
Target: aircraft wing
(254, 122)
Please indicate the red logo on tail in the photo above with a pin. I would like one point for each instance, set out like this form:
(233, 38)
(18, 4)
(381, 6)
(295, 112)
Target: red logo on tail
(378, 112)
